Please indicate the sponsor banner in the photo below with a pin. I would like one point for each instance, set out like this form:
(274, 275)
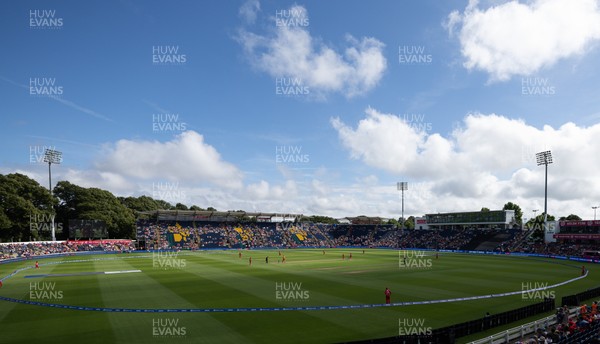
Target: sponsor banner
(98, 242)
(57, 255)
(587, 260)
(580, 223)
(577, 236)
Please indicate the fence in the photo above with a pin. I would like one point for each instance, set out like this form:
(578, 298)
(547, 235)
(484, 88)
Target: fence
(518, 332)
(577, 299)
(448, 335)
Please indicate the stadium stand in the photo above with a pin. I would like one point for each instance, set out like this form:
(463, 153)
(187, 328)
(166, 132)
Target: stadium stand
(489, 240)
(193, 235)
(198, 235)
(576, 325)
(566, 326)
(33, 249)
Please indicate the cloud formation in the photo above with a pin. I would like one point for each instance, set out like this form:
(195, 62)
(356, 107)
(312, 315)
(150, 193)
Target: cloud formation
(490, 157)
(290, 51)
(487, 161)
(185, 158)
(522, 38)
(249, 10)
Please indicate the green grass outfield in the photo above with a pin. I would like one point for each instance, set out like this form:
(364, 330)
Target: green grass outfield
(220, 279)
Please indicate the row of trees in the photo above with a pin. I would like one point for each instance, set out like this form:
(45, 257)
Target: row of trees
(25, 205)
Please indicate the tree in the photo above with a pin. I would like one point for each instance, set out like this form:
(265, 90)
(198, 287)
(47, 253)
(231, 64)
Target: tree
(537, 224)
(485, 209)
(517, 209)
(26, 209)
(550, 217)
(142, 203)
(571, 217)
(95, 204)
(163, 205)
(195, 207)
(180, 206)
(247, 219)
(322, 219)
(211, 209)
(393, 222)
(409, 223)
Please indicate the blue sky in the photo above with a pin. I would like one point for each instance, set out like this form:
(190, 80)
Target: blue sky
(180, 100)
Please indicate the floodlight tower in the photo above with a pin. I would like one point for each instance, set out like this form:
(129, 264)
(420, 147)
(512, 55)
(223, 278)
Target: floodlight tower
(595, 207)
(545, 158)
(401, 187)
(52, 156)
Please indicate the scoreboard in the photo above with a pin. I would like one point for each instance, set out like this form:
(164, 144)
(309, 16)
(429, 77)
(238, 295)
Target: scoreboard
(88, 229)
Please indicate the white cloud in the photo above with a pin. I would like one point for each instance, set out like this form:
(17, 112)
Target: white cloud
(186, 158)
(320, 188)
(249, 10)
(369, 180)
(289, 51)
(183, 170)
(337, 204)
(488, 162)
(385, 141)
(264, 191)
(516, 38)
(114, 182)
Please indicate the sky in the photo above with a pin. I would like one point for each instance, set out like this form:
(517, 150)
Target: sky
(309, 107)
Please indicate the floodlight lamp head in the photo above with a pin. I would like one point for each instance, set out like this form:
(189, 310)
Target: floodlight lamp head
(544, 158)
(52, 156)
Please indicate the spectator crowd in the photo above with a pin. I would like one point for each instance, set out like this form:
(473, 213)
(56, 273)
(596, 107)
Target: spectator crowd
(32, 249)
(580, 326)
(205, 235)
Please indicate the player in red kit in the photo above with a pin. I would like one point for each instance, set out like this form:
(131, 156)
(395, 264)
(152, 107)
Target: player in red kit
(37, 265)
(388, 296)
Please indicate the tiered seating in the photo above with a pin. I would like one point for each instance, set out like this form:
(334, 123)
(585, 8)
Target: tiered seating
(189, 235)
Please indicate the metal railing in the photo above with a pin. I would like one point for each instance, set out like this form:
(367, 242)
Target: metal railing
(522, 331)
